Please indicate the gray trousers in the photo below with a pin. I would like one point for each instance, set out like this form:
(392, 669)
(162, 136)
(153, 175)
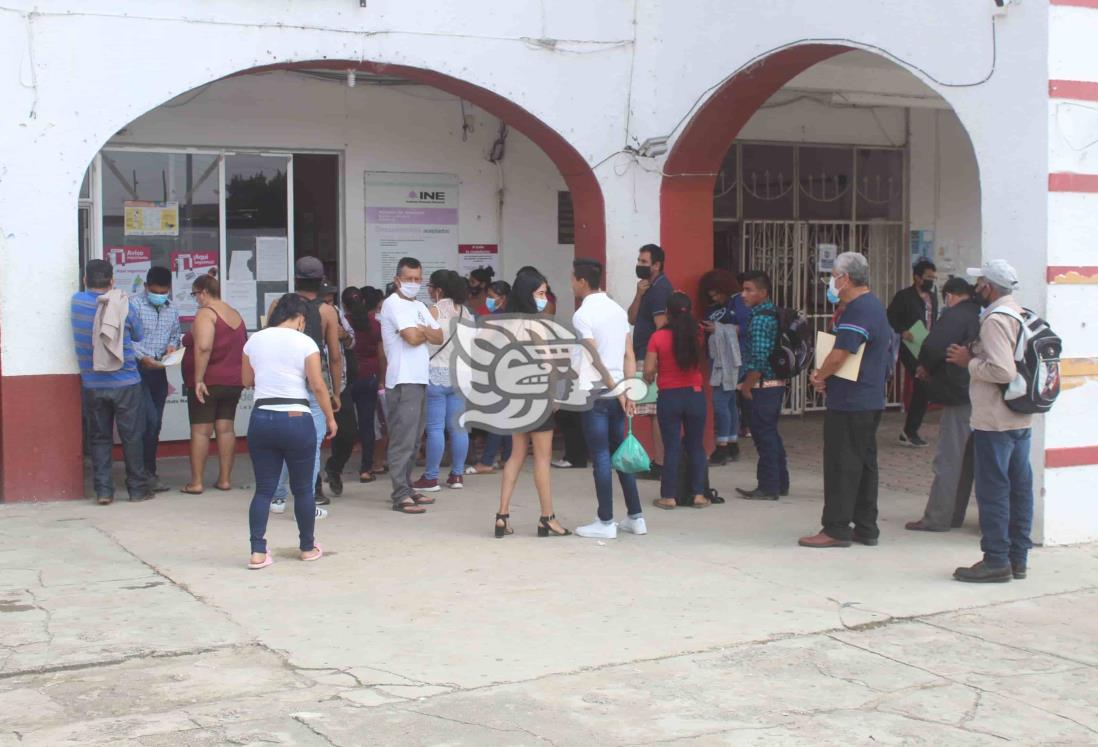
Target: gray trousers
(406, 410)
(952, 486)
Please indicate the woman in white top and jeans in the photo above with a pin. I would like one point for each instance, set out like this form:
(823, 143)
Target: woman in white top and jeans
(444, 403)
(283, 364)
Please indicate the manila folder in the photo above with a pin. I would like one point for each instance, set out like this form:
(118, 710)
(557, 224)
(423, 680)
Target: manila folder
(825, 343)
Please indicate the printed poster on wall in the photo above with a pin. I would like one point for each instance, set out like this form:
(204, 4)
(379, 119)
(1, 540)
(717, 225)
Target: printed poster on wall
(410, 215)
(131, 266)
(186, 266)
(474, 256)
(151, 218)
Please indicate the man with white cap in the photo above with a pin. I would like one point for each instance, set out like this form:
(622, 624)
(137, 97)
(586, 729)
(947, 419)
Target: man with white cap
(1000, 436)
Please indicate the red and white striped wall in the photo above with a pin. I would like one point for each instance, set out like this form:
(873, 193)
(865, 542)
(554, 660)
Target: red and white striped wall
(1071, 429)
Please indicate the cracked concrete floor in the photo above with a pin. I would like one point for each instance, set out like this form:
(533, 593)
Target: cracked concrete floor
(138, 625)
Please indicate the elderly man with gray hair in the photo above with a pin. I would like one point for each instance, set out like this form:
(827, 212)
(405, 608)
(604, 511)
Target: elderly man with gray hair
(853, 409)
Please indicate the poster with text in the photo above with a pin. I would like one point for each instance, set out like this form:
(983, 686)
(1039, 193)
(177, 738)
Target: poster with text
(410, 215)
(150, 218)
(474, 256)
(186, 267)
(131, 265)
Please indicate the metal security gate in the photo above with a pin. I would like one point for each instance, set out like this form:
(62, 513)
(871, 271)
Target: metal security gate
(788, 252)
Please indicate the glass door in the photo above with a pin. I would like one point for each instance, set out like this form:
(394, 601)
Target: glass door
(258, 250)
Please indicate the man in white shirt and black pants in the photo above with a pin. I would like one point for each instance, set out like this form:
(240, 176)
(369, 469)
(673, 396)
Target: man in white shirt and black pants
(406, 327)
(604, 328)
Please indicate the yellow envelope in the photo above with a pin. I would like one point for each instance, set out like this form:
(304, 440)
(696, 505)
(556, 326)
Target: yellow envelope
(825, 343)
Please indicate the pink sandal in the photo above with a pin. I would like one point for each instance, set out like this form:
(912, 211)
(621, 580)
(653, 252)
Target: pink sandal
(319, 553)
(268, 560)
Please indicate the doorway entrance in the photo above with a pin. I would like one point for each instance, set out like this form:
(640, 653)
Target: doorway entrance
(787, 209)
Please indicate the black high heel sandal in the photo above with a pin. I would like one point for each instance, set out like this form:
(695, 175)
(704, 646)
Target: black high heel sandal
(545, 530)
(502, 531)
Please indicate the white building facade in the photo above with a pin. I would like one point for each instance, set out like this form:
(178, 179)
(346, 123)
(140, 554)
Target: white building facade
(732, 133)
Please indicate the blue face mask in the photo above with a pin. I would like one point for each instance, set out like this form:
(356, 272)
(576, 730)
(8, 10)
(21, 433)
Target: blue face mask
(490, 303)
(157, 299)
(832, 296)
(541, 303)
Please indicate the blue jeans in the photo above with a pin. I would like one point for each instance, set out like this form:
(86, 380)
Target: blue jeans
(1004, 493)
(155, 384)
(320, 426)
(444, 407)
(766, 409)
(493, 443)
(278, 441)
(726, 416)
(682, 410)
(604, 430)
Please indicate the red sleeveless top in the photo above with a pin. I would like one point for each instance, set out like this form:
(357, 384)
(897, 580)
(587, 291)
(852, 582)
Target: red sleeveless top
(226, 357)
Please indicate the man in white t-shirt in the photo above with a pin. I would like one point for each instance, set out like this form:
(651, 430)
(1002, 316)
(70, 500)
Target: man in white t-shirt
(603, 326)
(406, 328)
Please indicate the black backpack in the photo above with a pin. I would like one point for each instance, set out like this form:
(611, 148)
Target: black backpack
(1037, 359)
(795, 344)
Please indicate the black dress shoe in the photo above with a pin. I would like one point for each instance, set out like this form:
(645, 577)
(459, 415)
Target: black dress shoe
(784, 491)
(335, 482)
(982, 573)
(719, 457)
(146, 497)
(867, 541)
(756, 495)
(1018, 570)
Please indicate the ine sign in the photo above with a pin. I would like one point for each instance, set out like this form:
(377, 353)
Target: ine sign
(410, 215)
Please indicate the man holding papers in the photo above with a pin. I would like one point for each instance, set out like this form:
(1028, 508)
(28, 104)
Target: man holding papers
(855, 400)
(912, 313)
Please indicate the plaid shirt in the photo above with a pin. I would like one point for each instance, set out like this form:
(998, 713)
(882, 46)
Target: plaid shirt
(762, 333)
(161, 327)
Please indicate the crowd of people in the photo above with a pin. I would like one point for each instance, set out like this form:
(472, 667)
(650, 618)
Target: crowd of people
(374, 367)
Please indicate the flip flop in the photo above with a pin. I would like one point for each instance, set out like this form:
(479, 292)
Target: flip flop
(224, 489)
(371, 478)
(409, 508)
(191, 492)
(319, 553)
(422, 500)
(703, 504)
(664, 506)
(105, 500)
(268, 560)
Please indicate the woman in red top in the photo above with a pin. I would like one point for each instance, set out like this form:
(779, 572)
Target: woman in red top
(211, 374)
(674, 353)
(370, 356)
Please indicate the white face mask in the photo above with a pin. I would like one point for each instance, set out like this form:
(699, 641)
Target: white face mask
(409, 290)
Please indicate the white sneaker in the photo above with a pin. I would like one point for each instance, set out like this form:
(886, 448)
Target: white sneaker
(562, 463)
(633, 526)
(278, 507)
(598, 529)
(321, 512)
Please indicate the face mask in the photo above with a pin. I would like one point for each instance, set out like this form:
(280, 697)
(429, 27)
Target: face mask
(644, 272)
(409, 290)
(490, 303)
(157, 299)
(541, 303)
(927, 286)
(832, 290)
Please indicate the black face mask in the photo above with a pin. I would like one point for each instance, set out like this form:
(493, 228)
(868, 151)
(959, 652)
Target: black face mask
(644, 272)
(927, 286)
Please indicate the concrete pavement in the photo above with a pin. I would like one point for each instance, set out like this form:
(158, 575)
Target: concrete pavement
(138, 624)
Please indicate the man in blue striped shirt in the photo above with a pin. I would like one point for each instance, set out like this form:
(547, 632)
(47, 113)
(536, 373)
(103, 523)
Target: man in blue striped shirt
(160, 323)
(853, 409)
(111, 398)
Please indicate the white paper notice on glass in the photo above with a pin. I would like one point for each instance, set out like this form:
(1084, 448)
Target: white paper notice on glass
(242, 297)
(269, 300)
(238, 266)
(271, 258)
(825, 343)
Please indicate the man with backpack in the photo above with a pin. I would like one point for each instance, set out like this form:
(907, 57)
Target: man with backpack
(854, 407)
(1000, 433)
(763, 388)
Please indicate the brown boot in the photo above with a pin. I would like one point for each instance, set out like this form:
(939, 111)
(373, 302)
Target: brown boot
(822, 540)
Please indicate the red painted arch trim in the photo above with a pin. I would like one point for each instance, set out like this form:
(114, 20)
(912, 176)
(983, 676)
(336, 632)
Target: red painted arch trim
(1066, 182)
(587, 201)
(1080, 90)
(1072, 274)
(1075, 456)
(1093, 4)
